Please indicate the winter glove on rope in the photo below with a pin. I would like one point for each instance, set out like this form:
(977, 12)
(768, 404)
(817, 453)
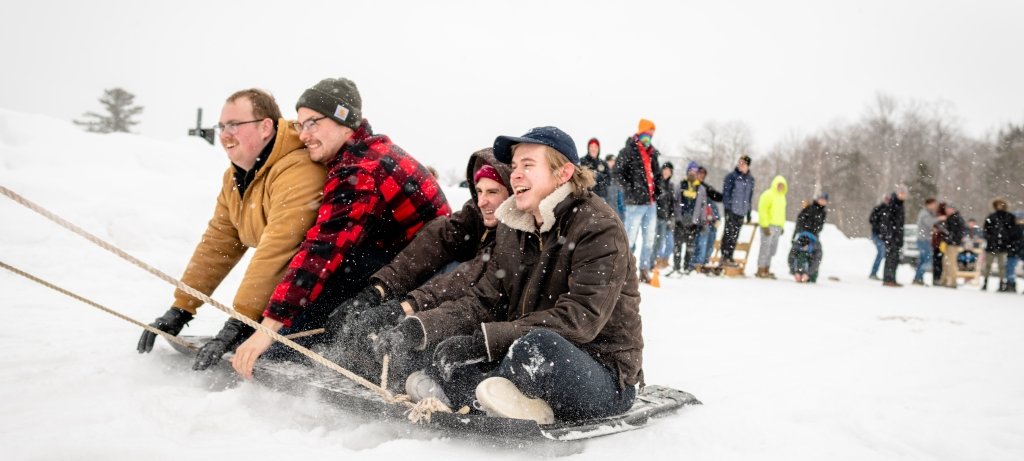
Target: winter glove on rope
(460, 351)
(231, 335)
(364, 300)
(172, 322)
(398, 341)
(360, 325)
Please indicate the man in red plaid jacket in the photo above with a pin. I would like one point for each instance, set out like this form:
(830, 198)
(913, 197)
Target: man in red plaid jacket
(375, 200)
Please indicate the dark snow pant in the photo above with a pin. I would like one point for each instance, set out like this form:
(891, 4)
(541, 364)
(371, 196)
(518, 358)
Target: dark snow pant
(892, 260)
(544, 365)
(310, 319)
(936, 264)
(685, 234)
(731, 233)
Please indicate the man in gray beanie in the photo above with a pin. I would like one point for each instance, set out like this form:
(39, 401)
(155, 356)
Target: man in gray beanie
(375, 200)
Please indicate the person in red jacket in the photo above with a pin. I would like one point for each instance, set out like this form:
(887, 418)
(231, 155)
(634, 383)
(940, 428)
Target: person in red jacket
(375, 200)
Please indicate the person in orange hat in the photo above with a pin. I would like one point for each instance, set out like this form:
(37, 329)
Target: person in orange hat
(636, 168)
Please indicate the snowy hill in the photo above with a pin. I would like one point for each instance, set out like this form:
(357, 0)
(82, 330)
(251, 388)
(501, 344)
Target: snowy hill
(837, 370)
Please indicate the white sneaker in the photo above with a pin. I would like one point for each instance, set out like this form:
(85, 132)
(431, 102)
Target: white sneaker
(419, 387)
(499, 397)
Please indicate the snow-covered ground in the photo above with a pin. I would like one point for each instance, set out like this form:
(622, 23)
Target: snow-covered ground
(839, 370)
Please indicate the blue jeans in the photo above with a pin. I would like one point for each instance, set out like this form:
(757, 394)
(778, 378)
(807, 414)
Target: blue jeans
(642, 219)
(880, 248)
(705, 244)
(924, 259)
(663, 249)
(1011, 268)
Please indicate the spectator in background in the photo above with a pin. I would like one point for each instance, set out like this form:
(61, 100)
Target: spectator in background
(952, 241)
(806, 253)
(875, 219)
(708, 234)
(999, 233)
(737, 197)
(925, 221)
(602, 175)
(637, 169)
(1016, 253)
(771, 214)
(614, 196)
(666, 217)
(891, 233)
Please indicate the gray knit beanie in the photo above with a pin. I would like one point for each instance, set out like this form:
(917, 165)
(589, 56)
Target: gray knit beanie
(336, 98)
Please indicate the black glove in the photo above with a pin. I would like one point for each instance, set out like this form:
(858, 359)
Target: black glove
(360, 325)
(458, 352)
(399, 340)
(172, 322)
(367, 299)
(231, 335)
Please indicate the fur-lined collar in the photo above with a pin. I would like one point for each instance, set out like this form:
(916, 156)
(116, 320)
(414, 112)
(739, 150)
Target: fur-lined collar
(512, 217)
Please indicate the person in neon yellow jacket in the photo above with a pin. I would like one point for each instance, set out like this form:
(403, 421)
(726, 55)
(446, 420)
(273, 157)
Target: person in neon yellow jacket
(771, 212)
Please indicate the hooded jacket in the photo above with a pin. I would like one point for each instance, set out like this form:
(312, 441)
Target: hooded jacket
(440, 242)
(272, 216)
(771, 205)
(602, 174)
(574, 276)
(890, 222)
(376, 198)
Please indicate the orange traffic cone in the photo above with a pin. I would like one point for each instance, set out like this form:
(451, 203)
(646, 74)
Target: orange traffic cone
(654, 278)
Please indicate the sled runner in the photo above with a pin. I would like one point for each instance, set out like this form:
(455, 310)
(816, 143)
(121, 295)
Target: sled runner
(299, 379)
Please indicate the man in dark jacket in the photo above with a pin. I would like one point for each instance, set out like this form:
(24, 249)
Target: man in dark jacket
(955, 229)
(875, 220)
(374, 201)
(737, 196)
(602, 175)
(691, 197)
(999, 230)
(890, 232)
(637, 168)
(402, 287)
(553, 330)
(806, 253)
(666, 217)
(1016, 253)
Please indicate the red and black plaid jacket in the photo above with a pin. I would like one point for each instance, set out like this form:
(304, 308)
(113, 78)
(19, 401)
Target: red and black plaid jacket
(376, 198)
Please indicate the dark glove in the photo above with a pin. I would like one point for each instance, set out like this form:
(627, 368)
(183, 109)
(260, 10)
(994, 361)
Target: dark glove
(367, 299)
(766, 231)
(360, 325)
(231, 335)
(460, 351)
(172, 322)
(408, 335)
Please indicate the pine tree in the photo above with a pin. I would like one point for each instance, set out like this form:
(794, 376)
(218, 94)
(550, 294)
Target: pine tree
(118, 104)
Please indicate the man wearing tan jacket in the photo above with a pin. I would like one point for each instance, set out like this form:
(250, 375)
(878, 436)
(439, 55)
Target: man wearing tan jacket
(269, 199)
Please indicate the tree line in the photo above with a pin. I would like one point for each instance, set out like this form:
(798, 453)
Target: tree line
(919, 144)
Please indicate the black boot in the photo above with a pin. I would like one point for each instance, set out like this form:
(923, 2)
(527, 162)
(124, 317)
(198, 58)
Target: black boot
(984, 284)
(1002, 287)
(1011, 287)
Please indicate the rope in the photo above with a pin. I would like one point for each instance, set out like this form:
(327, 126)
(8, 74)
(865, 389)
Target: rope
(314, 357)
(60, 290)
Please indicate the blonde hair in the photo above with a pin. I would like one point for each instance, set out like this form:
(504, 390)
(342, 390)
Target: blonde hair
(582, 178)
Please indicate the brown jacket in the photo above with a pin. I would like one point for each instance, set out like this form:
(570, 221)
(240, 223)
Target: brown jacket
(279, 206)
(461, 237)
(574, 276)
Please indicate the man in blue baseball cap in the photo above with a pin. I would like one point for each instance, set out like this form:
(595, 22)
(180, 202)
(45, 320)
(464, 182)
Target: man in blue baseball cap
(568, 294)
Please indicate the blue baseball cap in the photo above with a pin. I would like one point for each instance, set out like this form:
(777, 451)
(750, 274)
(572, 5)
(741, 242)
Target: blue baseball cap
(544, 135)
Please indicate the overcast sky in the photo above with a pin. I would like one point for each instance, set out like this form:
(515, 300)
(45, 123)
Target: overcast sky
(443, 78)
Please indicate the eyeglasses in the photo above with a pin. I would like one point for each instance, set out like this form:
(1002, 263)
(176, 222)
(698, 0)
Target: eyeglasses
(309, 125)
(232, 127)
